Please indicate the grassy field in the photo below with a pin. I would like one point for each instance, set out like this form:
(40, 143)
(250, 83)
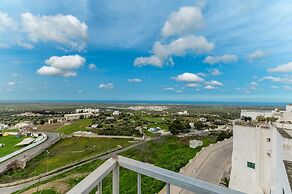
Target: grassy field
(64, 152)
(79, 125)
(9, 142)
(167, 152)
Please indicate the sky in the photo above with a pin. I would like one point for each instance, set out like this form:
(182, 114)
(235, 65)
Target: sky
(149, 50)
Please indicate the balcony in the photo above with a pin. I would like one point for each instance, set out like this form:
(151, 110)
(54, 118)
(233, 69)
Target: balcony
(94, 180)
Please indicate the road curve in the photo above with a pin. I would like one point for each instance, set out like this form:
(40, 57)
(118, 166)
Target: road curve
(209, 165)
(27, 155)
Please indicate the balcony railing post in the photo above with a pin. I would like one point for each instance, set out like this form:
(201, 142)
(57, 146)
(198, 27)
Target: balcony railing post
(167, 188)
(99, 188)
(116, 180)
(138, 183)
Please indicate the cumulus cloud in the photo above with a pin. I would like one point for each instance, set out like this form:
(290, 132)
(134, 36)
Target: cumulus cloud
(215, 72)
(192, 85)
(135, 80)
(256, 55)
(152, 60)
(209, 87)
(64, 29)
(162, 53)
(221, 59)
(188, 77)
(187, 19)
(107, 86)
(6, 22)
(65, 66)
(214, 83)
(285, 68)
(283, 79)
(92, 66)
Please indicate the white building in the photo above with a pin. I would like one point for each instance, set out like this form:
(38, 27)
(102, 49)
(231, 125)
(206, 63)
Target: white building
(87, 110)
(71, 117)
(3, 126)
(182, 113)
(281, 115)
(262, 155)
(116, 113)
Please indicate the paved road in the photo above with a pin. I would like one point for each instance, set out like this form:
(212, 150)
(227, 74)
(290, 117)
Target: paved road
(52, 138)
(209, 165)
(17, 187)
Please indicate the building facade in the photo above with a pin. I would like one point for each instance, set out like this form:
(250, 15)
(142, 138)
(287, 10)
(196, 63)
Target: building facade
(262, 154)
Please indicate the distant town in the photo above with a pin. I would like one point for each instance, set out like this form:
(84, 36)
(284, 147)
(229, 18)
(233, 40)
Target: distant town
(48, 140)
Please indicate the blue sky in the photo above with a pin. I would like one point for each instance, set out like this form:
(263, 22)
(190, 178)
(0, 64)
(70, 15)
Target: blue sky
(219, 50)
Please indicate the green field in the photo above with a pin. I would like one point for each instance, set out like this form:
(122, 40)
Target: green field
(64, 152)
(9, 142)
(167, 152)
(79, 125)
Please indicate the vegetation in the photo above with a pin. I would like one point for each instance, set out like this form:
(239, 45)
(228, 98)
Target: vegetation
(63, 153)
(9, 144)
(79, 125)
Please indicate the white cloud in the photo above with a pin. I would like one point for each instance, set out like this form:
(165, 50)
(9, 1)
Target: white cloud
(221, 59)
(92, 66)
(214, 83)
(65, 66)
(186, 20)
(168, 88)
(11, 83)
(274, 87)
(209, 87)
(188, 77)
(152, 60)
(215, 72)
(25, 45)
(283, 79)
(6, 22)
(192, 85)
(256, 55)
(162, 53)
(135, 80)
(201, 74)
(285, 68)
(253, 86)
(63, 29)
(107, 86)
(288, 88)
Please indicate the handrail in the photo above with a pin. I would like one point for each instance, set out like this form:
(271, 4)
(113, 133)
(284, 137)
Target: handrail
(173, 178)
(167, 176)
(94, 178)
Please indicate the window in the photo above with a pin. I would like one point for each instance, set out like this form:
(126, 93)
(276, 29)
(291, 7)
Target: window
(268, 139)
(251, 165)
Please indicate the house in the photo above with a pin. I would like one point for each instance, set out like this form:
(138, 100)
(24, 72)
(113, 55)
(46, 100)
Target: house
(116, 113)
(24, 125)
(71, 117)
(181, 113)
(87, 110)
(262, 154)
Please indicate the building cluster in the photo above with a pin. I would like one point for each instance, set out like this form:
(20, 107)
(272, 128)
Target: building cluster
(149, 108)
(82, 113)
(262, 153)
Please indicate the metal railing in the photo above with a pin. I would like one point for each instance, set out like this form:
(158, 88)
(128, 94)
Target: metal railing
(94, 180)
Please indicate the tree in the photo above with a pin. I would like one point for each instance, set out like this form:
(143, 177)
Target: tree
(176, 127)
